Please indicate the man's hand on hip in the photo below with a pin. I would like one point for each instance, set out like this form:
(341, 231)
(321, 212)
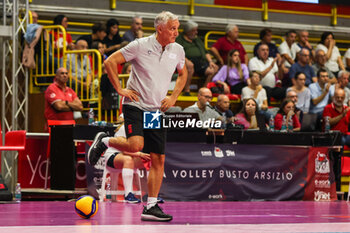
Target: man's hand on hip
(167, 102)
(131, 94)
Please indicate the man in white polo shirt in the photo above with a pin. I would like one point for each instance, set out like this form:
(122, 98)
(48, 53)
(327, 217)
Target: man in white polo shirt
(269, 70)
(289, 49)
(154, 60)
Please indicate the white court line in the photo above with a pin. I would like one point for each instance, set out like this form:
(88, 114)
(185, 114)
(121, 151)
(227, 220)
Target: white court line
(220, 228)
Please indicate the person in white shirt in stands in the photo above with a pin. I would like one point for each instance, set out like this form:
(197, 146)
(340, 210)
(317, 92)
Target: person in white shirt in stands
(255, 90)
(327, 44)
(289, 49)
(346, 60)
(269, 70)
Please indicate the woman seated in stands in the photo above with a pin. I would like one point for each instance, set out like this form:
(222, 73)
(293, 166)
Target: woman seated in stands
(249, 116)
(286, 112)
(234, 75)
(327, 44)
(113, 41)
(58, 36)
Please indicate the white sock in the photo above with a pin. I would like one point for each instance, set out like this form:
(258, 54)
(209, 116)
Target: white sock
(151, 201)
(105, 140)
(127, 175)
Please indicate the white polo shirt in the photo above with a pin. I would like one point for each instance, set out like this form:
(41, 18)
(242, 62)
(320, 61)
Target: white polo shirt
(292, 51)
(255, 64)
(152, 69)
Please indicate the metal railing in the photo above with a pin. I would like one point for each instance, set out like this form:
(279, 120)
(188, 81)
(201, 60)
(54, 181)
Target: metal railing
(84, 67)
(85, 70)
(47, 57)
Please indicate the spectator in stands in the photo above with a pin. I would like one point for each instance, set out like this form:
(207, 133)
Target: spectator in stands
(343, 81)
(98, 34)
(266, 38)
(58, 38)
(203, 107)
(113, 41)
(293, 96)
(225, 44)
(301, 91)
(287, 111)
(223, 108)
(60, 100)
(198, 60)
(35, 17)
(234, 75)
(321, 92)
(249, 116)
(320, 63)
(101, 48)
(303, 36)
(327, 44)
(126, 68)
(79, 67)
(109, 94)
(136, 30)
(289, 49)
(269, 70)
(339, 116)
(256, 91)
(346, 60)
(302, 65)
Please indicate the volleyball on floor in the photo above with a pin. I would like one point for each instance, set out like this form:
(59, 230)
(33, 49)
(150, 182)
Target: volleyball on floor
(86, 206)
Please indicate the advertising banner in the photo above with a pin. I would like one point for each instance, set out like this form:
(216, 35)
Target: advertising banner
(234, 172)
(32, 165)
(320, 178)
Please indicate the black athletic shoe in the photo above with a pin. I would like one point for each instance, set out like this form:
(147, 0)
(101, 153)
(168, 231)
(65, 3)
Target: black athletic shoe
(97, 148)
(155, 214)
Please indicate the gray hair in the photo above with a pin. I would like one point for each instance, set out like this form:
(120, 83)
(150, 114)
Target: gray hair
(163, 17)
(289, 91)
(303, 49)
(229, 27)
(136, 17)
(343, 72)
(189, 25)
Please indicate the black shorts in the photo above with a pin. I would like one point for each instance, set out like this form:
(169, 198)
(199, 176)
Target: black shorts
(154, 139)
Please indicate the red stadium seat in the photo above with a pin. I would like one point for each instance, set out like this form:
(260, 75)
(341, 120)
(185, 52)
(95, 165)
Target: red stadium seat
(14, 141)
(230, 96)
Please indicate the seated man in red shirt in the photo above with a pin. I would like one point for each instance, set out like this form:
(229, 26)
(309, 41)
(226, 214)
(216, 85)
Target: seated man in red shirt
(339, 117)
(61, 101)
